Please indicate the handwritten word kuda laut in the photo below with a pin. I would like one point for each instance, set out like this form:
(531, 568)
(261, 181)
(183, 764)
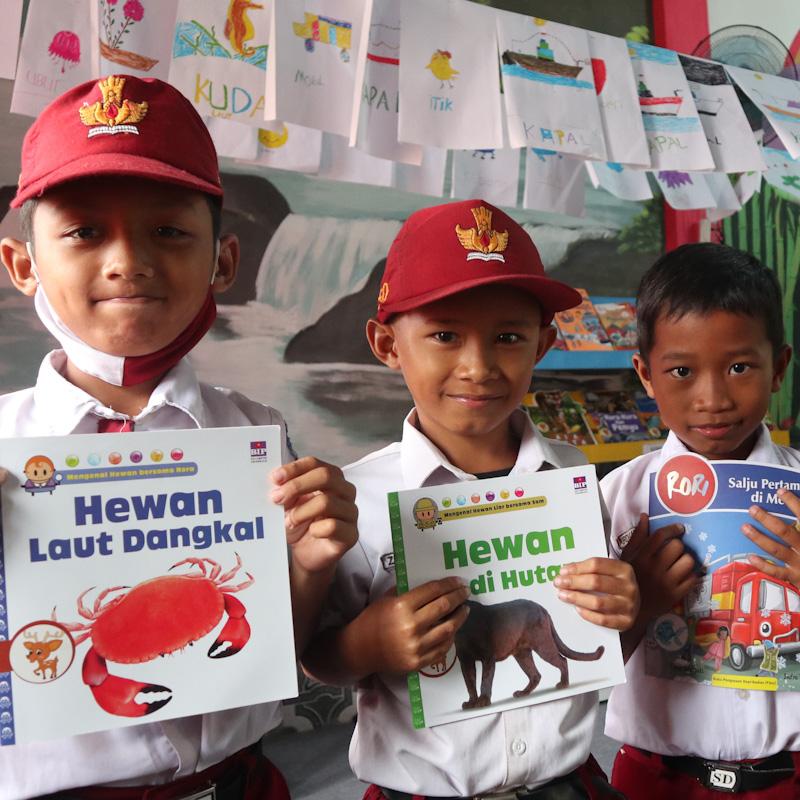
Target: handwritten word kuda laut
(458, 554)
(94, 511)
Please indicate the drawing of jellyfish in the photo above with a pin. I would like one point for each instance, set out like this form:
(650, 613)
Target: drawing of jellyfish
(65, 49)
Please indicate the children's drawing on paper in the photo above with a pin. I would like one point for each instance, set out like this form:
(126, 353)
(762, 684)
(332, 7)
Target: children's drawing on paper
(441, 67)
(376, 130)
(194, 38)
(549, 86)
(449, 81)
(724, 122)
(316, 29)
(676, 138)
(114, 30)
(618, 101)
(65, 50)
(779, 100)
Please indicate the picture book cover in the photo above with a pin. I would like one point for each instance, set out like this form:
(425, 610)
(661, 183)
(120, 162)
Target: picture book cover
(613, 417)
(581, 327)
(143, 577)
(558, 415)
(741, 628)
(619, 320)
(508, 538)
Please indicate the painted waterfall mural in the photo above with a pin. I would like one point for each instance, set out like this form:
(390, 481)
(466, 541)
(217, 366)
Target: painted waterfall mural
(291, 332)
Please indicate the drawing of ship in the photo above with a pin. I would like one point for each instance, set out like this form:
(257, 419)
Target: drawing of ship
(544, 61)
(709, 106)
(662, 106)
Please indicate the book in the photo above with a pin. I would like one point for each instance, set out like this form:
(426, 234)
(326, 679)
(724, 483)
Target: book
(613, 417)
(508, 538)
(558, 415)
(741, 627)
(581, 328)
(143, 576)
(619, 321)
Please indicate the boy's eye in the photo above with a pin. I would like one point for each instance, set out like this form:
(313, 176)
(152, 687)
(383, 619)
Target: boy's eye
(739, 368)
(680, 372)
(445, 337)
(169, 231)
(84, 232)
(509, 338)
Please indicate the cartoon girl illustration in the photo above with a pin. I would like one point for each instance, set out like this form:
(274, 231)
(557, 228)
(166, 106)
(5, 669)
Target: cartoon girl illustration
(720, 649)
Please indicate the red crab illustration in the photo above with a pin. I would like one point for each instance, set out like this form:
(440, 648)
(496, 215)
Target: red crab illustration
(154, 618)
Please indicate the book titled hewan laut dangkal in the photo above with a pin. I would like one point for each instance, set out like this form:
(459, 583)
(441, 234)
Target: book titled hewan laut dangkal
(740, 628)
(143, 576)
(508, 538)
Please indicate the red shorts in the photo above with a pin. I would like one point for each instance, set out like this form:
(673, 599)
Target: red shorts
(587, 782)
(640, 775)
(246, 775)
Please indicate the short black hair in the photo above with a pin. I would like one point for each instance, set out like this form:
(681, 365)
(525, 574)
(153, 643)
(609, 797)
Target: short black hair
(702, 278)
(29, 207)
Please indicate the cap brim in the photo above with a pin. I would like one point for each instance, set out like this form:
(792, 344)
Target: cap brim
(115, 164)
(551, 294)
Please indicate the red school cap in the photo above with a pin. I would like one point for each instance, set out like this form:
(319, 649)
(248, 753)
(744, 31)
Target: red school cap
(449, 248)
(119, 125)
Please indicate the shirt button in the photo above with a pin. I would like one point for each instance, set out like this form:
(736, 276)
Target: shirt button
(518, 747)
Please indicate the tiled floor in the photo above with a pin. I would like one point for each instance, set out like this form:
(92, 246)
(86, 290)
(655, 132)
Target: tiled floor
(315, 764)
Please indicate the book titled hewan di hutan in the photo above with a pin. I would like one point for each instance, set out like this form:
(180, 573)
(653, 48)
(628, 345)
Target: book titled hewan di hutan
(508, 538)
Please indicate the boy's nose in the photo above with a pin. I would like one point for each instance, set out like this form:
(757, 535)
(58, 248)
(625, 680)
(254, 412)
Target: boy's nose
(126, 259)
(478, 362)
(713, 395)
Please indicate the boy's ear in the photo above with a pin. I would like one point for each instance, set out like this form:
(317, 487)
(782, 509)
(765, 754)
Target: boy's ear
(227, 263)
(381, 340)
(781, 365)
(643, 371)
(547, 335)
(15, 258)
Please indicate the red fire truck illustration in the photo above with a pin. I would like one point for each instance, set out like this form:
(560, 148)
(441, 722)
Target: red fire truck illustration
(752, 605)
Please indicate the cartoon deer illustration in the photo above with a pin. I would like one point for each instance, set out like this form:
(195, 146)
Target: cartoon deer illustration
(39, 652)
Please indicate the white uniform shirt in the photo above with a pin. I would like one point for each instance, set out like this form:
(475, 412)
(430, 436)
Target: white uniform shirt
(682, 718)
(524, 746)
(155, 752)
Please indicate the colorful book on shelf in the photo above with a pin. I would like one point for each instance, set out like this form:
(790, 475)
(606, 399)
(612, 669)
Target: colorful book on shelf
(739, 628)
(619, 320)
(581, 327)
(558, 415)
(650, 416)
(507, 538)
(613, 417)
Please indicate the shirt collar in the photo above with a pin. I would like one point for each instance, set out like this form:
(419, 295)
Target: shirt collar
(422, 463)
(764, 449)
(62, 405)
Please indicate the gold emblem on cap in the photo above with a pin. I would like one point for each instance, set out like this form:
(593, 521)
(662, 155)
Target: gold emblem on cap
(383, 296)
(114, 114)
(482, 241)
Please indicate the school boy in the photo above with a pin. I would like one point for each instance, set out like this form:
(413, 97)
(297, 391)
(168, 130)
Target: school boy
(464, 313)
(711, 351)
(121, 198)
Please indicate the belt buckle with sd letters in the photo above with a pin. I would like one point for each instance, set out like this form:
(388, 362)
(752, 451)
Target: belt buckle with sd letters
(722, 777)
